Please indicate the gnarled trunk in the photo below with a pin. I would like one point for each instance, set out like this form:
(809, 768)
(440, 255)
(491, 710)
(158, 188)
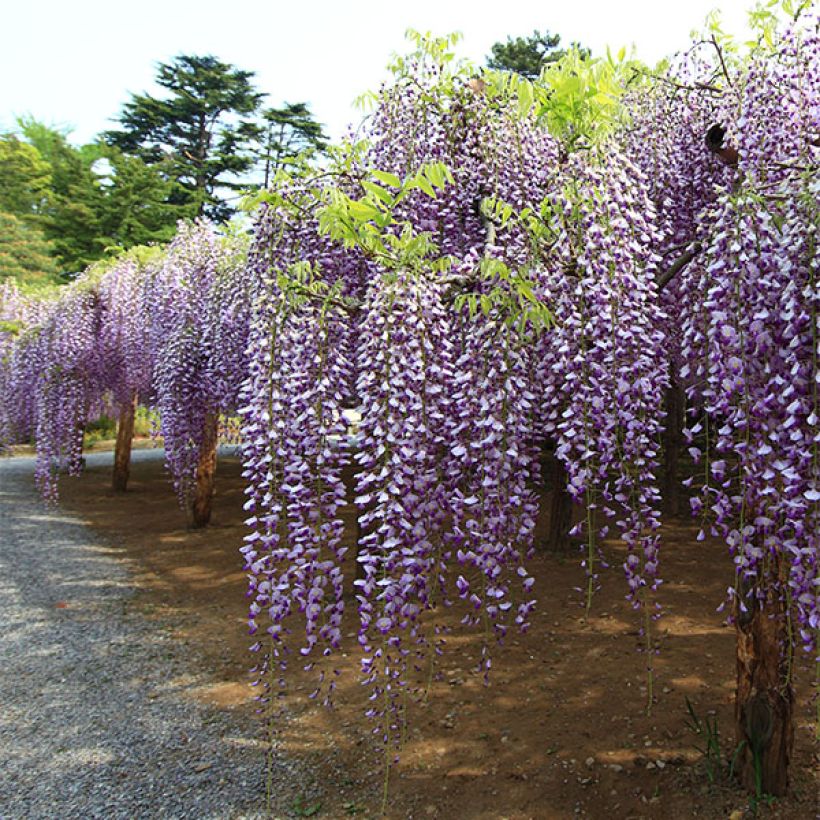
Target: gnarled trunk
(361, 532)
(202, 500)
(122, 450)
(764, 702)
(560, 520)
(672, 443)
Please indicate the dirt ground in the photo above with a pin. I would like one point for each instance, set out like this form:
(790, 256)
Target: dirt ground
(561, 731)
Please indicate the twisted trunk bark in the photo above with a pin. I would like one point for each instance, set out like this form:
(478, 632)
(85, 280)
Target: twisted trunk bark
(672, 443)
(202, 500)
(560, 520)
(764, 701)
(122, 450)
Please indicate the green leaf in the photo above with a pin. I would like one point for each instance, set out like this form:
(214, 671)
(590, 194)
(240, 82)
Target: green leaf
(387, 178)
(434, 173)
(377, 190)
(425, 186)
(525, 289)
(525, 97)
(362, 210)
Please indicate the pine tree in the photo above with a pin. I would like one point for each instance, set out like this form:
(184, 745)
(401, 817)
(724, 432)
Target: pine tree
(527, 55)
(201, 128)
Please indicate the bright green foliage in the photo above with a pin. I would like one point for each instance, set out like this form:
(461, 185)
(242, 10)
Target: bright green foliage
(512, 297)
(24, 177)
(143, 255)
(429, 51)
(68, 217)
(98, 199)
(200, 129)
(133, 203)
(578, 98)
(369, 223)
(25, 254)
(527, 56)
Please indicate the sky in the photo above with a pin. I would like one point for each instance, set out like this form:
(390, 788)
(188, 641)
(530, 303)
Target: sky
(74, 64)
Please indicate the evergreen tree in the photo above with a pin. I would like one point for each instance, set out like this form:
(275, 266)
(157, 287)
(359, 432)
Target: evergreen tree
(286, 133)
(24, 177)
(98, 198)
(133, 202)
(201, 129)
(528, 55)
(25, 254)
(68, 216)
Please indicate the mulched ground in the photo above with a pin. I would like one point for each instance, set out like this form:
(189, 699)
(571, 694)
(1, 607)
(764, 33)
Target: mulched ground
(561, 731)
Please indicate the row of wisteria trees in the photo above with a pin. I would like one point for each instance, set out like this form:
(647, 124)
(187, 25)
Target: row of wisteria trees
(603, 264)
(165, 328)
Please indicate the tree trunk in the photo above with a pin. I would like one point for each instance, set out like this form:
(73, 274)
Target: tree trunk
(672, 443)
(122, 451)
(202, 501)
(560, 520)
(360, 574)
(764, 716)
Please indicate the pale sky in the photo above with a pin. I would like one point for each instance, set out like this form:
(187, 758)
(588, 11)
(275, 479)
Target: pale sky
(74, 62)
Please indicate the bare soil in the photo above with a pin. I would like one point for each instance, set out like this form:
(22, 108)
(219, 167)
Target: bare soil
(561, 731)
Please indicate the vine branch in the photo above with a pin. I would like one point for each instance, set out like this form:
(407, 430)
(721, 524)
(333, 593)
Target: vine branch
(677, 266)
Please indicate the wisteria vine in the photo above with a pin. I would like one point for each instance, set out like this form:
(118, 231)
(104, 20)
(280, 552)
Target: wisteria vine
(484, 272)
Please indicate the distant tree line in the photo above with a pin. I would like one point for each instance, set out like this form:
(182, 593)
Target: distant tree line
(184, 153)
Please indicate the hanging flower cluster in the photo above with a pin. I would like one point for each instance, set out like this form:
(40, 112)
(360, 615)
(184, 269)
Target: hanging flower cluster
(493, 468)
(750, 334)
(17, 312)
(455, 384)
(665, 139)
(195, 335)
(445, 451)
(602, 369)
(57, 361)
(123, 332)
(474, 286)
(171, 329)
(294, 451)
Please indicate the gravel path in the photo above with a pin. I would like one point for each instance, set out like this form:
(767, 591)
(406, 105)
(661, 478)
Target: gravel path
(94, 718)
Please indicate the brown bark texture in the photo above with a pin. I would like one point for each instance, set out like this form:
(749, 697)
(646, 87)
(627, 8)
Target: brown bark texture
(361, 532)
(122, 450)
(560, 520)
(203, 494)
(672, 443)
(764, 701)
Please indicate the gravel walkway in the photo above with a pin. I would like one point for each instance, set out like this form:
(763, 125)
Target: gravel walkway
(94, 721)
